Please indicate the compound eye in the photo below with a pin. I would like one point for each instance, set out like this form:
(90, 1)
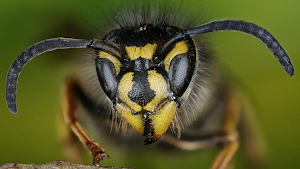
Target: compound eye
(180, 73)
(107, 76)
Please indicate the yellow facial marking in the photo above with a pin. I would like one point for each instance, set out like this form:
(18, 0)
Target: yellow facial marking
(145, 52)
(125, 85)
(136, 121)
(163, 118)
(114, 60)
(159, 85)
(180, 48)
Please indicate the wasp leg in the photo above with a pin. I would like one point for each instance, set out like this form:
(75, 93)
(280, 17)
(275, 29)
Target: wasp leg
(231, 142)
(226, 134)
(72, 148)
(231, 138)
(71, 89)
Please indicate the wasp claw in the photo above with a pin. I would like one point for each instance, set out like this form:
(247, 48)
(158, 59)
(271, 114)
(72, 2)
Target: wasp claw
(98, 157)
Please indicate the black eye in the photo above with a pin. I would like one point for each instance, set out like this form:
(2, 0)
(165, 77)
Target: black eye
(107, 76)
(180, 73)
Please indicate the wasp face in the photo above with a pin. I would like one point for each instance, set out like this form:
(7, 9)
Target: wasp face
(148, 69)
(145, 72)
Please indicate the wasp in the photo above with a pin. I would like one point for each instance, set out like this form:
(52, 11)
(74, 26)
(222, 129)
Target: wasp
(156, 79)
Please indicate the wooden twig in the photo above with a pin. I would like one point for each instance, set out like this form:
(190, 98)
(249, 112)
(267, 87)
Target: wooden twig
(54, 165)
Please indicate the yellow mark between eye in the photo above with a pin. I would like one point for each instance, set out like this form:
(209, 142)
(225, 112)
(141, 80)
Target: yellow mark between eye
(145, 52)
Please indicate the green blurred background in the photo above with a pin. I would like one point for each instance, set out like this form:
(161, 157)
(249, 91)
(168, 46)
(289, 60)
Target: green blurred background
(30, 136)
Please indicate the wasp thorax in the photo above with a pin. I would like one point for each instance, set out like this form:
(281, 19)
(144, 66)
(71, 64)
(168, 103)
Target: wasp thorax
(152, 70)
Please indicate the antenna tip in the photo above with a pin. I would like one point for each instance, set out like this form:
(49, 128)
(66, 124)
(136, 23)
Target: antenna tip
(12, 107)
(290, 70)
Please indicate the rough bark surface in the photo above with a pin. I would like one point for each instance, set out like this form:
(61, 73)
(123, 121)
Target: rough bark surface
(54, 165)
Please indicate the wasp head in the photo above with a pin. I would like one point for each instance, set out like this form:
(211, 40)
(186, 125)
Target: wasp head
(145, 71)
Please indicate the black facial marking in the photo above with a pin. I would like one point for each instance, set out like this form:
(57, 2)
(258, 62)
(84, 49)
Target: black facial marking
(141, 64)
(141, 92)
(148, 129)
